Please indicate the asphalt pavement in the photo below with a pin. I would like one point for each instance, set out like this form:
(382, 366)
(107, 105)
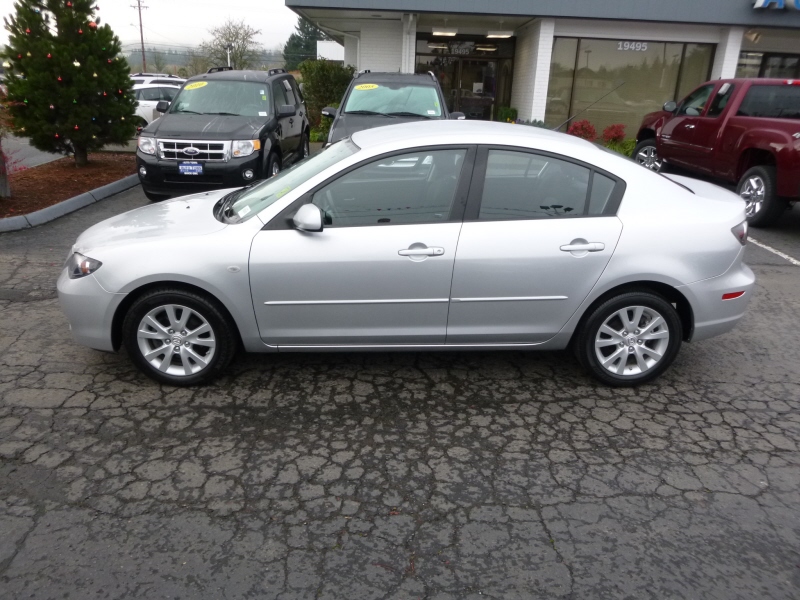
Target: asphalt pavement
(23, 155)
(396, 476)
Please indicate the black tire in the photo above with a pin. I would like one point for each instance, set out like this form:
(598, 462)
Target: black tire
(273, 165)
(646, 155)
(634, 348)
(759, 190)
(304, 151)
(154, 197)
(202, 308)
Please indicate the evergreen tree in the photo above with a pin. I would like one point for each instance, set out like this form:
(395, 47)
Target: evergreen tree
(68, 86)
(302, 44)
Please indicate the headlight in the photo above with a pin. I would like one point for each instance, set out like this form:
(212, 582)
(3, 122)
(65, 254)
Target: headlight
(245, 147)
(79, 265)
(147, 145)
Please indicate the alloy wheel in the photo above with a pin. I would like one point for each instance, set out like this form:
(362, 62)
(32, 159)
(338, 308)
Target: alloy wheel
(632, 340)
(648, 158)
(176, 340)
(753, 192)
(276, 168)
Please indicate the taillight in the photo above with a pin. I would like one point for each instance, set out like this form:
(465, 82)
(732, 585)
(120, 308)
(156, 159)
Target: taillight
(740, 232)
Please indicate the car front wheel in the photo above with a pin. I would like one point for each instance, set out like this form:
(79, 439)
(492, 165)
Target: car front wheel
(758, 189)
(646, 154)
(273, 165)
(178, 337)
(630, 339)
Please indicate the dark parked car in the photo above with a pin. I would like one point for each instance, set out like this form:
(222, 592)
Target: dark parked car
(224, 129)
(377, 99)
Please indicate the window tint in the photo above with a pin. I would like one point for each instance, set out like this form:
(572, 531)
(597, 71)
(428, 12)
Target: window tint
(602, 187)
(773, 101)
(298, 94)
(287, 88)
(696, 101)
(168, 93)
(521, 185)
(149, 94)
(720, 100)
(280, 95)
(417, 187)
(394, 98)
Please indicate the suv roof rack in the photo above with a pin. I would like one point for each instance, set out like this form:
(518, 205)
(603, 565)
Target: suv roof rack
(218, 69)
(272, 72)
(154, 75)
(433, 76)
(360, 73)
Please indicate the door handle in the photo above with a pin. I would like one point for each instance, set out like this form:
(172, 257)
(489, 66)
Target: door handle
(587, 247)
(434, 251)
(689, 126)
(291, 121)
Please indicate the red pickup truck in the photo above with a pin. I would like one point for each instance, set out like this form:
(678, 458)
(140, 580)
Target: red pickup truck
(742, 131)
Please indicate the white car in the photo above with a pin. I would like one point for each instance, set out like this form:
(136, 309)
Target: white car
(156, 78)
(436, 235)
(148, 97)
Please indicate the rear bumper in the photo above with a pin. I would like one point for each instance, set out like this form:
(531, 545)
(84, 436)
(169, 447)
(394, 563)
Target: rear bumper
(163, 176)
(712, 315)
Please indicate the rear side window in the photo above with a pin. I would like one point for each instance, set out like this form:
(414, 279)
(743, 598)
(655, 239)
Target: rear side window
(287, 88)
(771, 101)
(152, 94)
(280, 95)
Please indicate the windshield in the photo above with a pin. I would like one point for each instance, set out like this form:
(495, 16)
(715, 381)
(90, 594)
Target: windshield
(220, 97)
(394, 99)
(269, 191)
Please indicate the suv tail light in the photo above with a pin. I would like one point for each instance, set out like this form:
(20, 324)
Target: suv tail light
(740, 232)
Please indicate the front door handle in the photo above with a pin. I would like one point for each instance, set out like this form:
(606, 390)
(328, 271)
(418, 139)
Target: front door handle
(587, 247)
(690, 127)
(291, 121)
(433, 251)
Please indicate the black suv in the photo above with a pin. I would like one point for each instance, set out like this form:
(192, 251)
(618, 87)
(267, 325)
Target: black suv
(377, 99)
(224, 129)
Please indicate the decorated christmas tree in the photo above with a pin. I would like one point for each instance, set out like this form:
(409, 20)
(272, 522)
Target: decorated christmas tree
(69, 89)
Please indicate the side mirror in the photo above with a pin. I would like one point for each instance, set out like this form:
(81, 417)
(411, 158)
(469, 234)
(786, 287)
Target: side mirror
(457, 116)
(670, 106)
(162, 106)
(287, 110)
(308, 218)
(329, 112)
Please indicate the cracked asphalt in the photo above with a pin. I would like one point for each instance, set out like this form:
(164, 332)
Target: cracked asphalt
(395, 476)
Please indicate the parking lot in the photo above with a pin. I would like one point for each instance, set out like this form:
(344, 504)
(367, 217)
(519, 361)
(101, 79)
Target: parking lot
(396, 476)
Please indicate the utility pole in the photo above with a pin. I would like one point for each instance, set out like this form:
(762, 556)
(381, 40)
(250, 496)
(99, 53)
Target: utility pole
(139, 6)
(229, 47)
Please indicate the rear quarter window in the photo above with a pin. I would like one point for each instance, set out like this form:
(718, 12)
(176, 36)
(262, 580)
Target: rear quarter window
(771, 101)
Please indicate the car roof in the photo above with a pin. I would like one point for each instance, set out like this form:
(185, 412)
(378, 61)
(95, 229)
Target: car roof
(142, 86)
(237, 75)
(417, 78)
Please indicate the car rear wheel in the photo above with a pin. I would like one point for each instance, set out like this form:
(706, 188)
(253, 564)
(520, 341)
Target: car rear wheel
(758, 189)
(273, 165)
(305, 147)
(178, 337)
(630, 339)
(646, 154)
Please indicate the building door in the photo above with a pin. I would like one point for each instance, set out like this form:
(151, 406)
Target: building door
(477, 89)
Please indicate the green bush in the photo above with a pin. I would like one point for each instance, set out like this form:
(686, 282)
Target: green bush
(625, 147)
(534, 123)
(506, 114)
(324, 84)
(320, 132)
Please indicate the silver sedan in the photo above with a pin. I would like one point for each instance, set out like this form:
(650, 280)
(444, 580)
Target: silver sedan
(426, 236)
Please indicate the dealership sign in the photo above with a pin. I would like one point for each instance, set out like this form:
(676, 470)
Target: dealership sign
(777, 4)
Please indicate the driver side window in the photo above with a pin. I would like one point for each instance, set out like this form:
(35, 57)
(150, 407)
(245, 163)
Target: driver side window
(418, 187)
(695, 103)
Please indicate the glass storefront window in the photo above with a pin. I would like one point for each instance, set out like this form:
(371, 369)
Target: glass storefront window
(768, 64)
(619, 81)
(749, 64)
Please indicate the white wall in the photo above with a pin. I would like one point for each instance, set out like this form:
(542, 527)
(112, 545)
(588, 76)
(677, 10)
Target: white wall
(381, 46)
(532, 69)
(330, 50)
(351, 51)
(727, 55)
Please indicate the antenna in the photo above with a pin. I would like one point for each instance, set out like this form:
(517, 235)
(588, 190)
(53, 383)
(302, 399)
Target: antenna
(139, 6)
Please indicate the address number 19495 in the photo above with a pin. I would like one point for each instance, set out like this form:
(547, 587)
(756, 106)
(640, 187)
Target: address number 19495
(632, 46)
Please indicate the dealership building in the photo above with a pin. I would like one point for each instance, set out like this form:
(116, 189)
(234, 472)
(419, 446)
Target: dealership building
(611, 61)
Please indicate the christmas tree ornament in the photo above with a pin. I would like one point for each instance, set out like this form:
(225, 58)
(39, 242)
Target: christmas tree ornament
(69, 4)
(94, 75)
(104, 94)
(76, 128)
(27, 30)
(76, 64)
(19, 55)
(57, 136)
(92, 25)
(49, 55)
(74, 101)
(59, 77)
(121, 118)
(25, 101)
(109, 61)
(52, 107)
(119, 91)
(80, 31)
(29, 53)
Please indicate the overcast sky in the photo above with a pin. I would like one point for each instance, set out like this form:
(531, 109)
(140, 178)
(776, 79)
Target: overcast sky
(186, 22)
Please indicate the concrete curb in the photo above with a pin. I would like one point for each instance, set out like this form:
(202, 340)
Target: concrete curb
(67, 206)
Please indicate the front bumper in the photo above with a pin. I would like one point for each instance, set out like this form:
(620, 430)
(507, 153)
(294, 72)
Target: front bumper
(89, 309)
(163, 176)
(712, 315)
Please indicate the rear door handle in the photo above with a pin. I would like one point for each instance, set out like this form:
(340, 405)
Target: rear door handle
(587, 247)
(434, 251)
(291, 121)
(690, 127)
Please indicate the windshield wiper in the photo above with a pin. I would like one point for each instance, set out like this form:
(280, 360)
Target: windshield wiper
(410, 114)
(368, 112)
(186, 111)
(223, 113)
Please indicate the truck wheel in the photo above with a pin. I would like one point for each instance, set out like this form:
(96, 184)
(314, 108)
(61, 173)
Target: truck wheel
(758, 189)
(273, 165)
(646, 155)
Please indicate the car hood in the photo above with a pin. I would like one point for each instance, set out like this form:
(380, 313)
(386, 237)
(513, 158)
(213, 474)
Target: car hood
(207, 127)
(181, 217)
(346, 125)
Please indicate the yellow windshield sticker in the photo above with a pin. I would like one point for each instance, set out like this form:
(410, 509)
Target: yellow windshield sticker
(195, 85)
(367, 86)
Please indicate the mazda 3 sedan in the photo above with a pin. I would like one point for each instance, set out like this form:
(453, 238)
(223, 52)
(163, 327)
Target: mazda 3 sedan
(440, 235)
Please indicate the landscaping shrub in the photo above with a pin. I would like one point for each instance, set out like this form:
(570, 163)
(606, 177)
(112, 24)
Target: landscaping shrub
(583, 129)
(614, 134)
(534, 123)
(506, 114)
(324, 84)
(320, 132)
(624, 147)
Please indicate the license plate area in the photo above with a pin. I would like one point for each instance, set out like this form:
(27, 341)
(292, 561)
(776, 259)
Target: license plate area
(190, 168)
